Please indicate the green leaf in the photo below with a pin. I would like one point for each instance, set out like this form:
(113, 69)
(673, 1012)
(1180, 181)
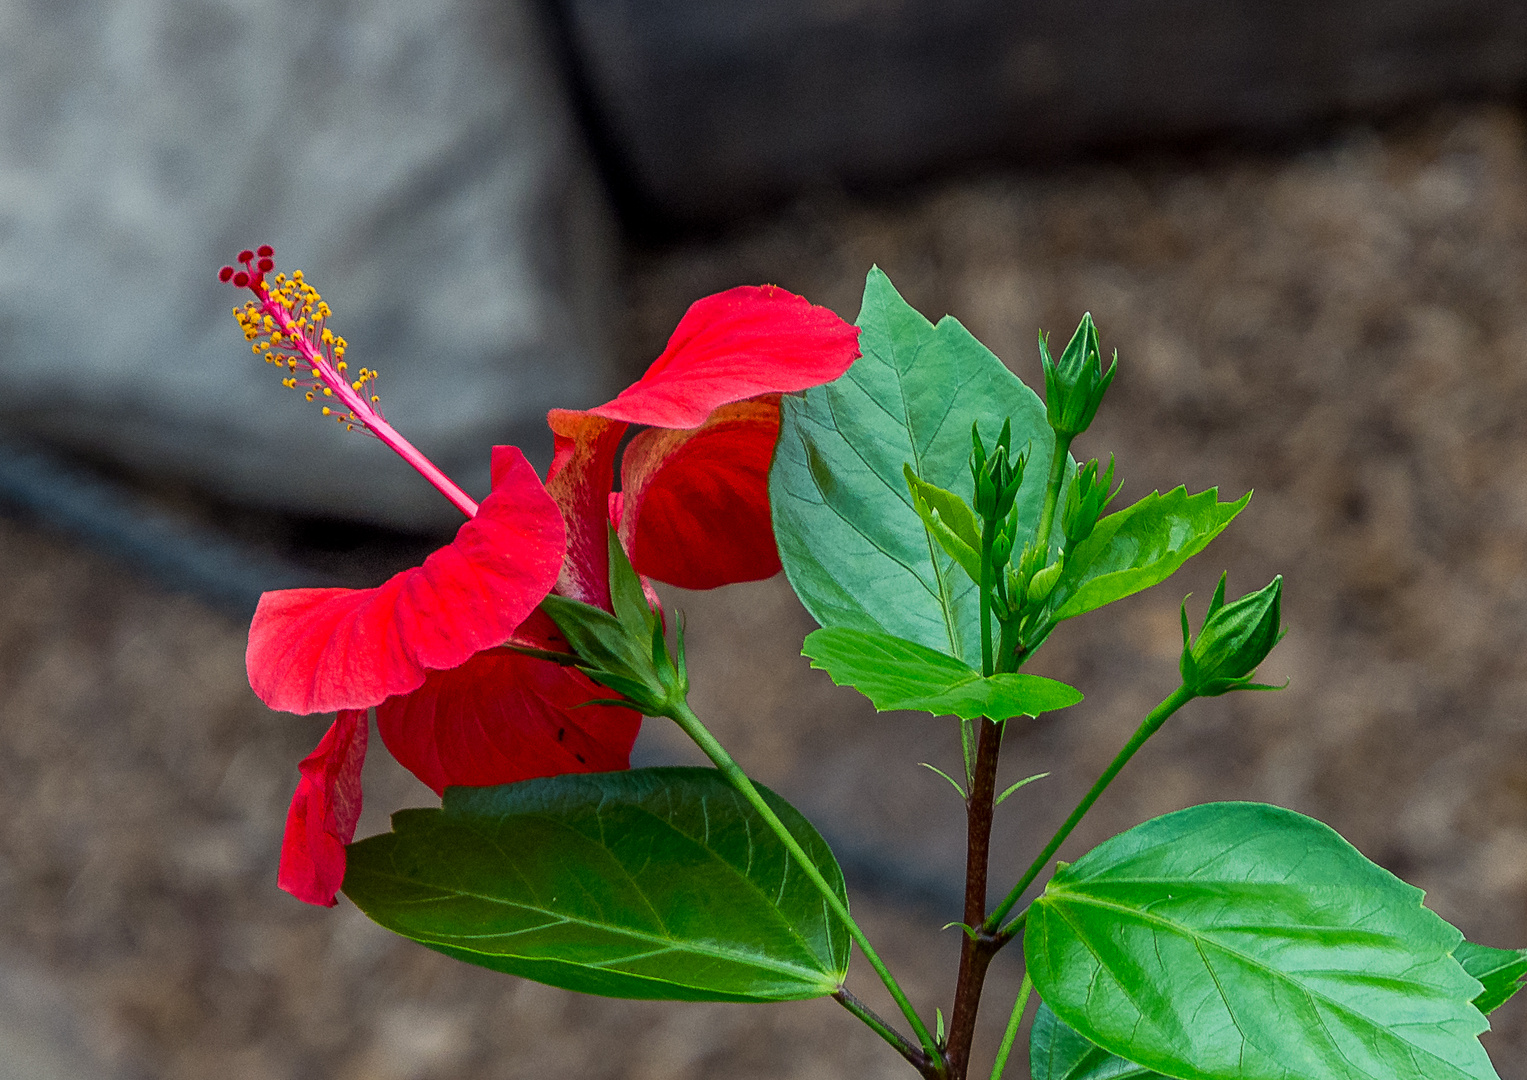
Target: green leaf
(1237, 941)
(1058, 1053)
(949, 521)
(653, 883)
(1500, 970)
(898, 674)
(853, 546)
(1140, 546)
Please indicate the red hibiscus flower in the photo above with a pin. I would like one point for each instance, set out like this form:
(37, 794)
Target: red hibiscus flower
(426, 648)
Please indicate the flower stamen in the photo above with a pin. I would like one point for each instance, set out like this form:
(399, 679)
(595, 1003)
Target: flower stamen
(286, 325)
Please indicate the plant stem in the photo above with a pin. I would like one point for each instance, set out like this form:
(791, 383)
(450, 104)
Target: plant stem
(1148, 727)
(975, 954)
(918, 1058)
(685, 717)
(1052, 493)
(1012, 1027)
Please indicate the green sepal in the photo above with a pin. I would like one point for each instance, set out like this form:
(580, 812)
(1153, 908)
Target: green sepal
(1138, 547)
(625, 651)
(897, 674)
(1239, 940)
(949, 520)
(1500, 971)
(650, 883)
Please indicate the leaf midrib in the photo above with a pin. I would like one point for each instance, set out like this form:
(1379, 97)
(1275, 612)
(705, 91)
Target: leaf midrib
(558, 919)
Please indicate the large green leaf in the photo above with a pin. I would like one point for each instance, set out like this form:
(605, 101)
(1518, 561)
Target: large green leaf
(852, 544)
(1058, 1053)
(1501, 971)
(652, 883)
(1237, 941)
(1140, 546)
(898, 674)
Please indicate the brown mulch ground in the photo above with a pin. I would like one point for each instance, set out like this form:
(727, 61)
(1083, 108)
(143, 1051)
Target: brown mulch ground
(1344, 331)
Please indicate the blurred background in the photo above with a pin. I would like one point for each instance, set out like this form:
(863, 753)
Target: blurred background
(1303, 224)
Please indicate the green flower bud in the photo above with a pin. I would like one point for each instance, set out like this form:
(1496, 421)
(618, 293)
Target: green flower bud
(997, 476)
(1236, 637)
(1074, 386)
(1088, 498)
(1043, 582)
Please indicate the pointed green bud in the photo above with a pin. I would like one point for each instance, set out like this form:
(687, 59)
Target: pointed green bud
(1087, 499)
(1075, 385)
(1236, 638)
(1001, 551)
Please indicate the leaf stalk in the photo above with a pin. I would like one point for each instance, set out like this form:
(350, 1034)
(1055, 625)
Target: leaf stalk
(685, 717)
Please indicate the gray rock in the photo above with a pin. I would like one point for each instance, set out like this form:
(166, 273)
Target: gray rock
(708, 106)
(415, 157)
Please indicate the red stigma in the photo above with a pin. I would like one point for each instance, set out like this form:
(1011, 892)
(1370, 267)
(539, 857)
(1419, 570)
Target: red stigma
(246, 256)
(265, 251)
(241, 279)
(225, 274)
(267, 265)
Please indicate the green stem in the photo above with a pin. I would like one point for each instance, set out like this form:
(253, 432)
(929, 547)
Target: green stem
(685, 717)
(988, 532)
(1052, 493)
(1011, 1033)
(1148, 727)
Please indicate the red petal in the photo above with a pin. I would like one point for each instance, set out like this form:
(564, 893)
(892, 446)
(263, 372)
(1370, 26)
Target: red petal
(324, 811)
(502, 717)
(317, 650)
(580, 478)
(737, 344)
(695, 511)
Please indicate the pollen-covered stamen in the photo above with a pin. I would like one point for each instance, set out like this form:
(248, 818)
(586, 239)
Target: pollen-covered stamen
(286, 326)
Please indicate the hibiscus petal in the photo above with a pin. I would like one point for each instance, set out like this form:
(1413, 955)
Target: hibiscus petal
(317, 650)
(324, 811)
(502, 717)
(695, 511)
(734, 345)
(580, 478)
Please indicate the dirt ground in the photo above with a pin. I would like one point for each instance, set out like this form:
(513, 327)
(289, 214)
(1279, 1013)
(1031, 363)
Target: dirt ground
(1343, 330)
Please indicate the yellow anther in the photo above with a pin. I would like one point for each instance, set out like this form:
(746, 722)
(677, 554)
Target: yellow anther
(328, 337)
(327, 392)
(341, 365)
(310, 395)
(327, 410)
(375, 399)
(355, 386)
(256, 347)
(296, 275)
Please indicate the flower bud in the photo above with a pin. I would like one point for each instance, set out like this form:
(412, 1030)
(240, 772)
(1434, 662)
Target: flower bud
(1236, 637)
(1075, 385)
(1088, 498)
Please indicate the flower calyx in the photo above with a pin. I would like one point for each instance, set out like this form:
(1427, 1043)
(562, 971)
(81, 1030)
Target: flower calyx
(1235, 638)
(1076, 383)
(626, 649)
